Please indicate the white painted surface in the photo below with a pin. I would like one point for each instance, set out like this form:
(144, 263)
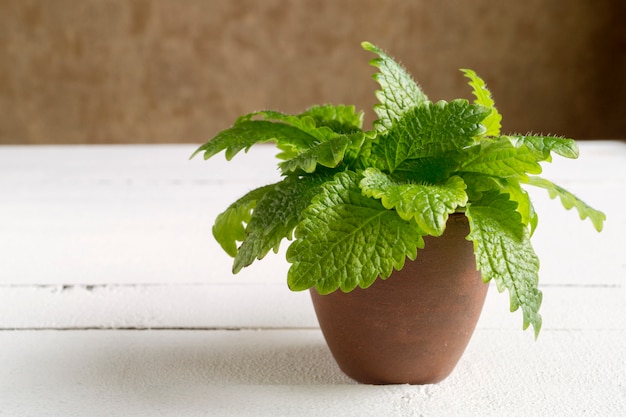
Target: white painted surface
(115, 300)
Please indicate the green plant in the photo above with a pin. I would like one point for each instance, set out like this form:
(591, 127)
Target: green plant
(358, 203)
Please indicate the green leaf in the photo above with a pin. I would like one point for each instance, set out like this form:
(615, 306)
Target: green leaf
(346, 240)
(399, 92)
(229, 227)
(543, 145)
(569, 200)
(246, 133)
(504, 254)
(304, 121)
(309, 122)
(524, 205)
(328, 131)
(429, 205)
(340, 119)
(483, 97)
(328, 154)
(292, 134)
(370, 153)
(286, 151)
(359, 155)
(432, 169)
(432, 130)
(478, 184)
(275, 216)
(501, 159)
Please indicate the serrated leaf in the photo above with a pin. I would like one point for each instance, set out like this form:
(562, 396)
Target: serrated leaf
(569, 200)
(478, 184)
(340, 119)
(431, 130)
(292, 134)
(359, 154)
(328, 154)
(429, 205)
(543, 145)
(504, 254)
(524, 205)
(370, 153)
(286, 151)
(229, 226)
(483, 97)
(304, 121)
(399, 92)
(275, 216)
(346, 240)
(430, 170)
(501, 159)
(331, 131)
(246, 133)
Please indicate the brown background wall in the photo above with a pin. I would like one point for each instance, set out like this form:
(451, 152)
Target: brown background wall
(111, 71)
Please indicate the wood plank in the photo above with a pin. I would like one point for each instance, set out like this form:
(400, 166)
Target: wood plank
(128, 214)
(142, 214)
(253, 306)
(289, 372)
(102, 237)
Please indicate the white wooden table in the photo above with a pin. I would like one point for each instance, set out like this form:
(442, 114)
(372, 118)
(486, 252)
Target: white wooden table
(116, 301)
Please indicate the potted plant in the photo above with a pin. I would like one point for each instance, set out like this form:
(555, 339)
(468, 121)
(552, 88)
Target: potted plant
(428, 206)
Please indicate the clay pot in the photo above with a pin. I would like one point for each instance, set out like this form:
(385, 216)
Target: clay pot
(414, 326)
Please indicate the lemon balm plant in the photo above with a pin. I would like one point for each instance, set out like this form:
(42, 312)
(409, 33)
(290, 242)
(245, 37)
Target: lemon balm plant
(356, 204)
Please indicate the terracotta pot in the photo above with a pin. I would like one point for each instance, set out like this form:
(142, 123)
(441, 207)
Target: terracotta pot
(414, 326)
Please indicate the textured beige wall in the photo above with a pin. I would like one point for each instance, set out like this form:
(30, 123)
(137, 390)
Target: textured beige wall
(96, 71)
